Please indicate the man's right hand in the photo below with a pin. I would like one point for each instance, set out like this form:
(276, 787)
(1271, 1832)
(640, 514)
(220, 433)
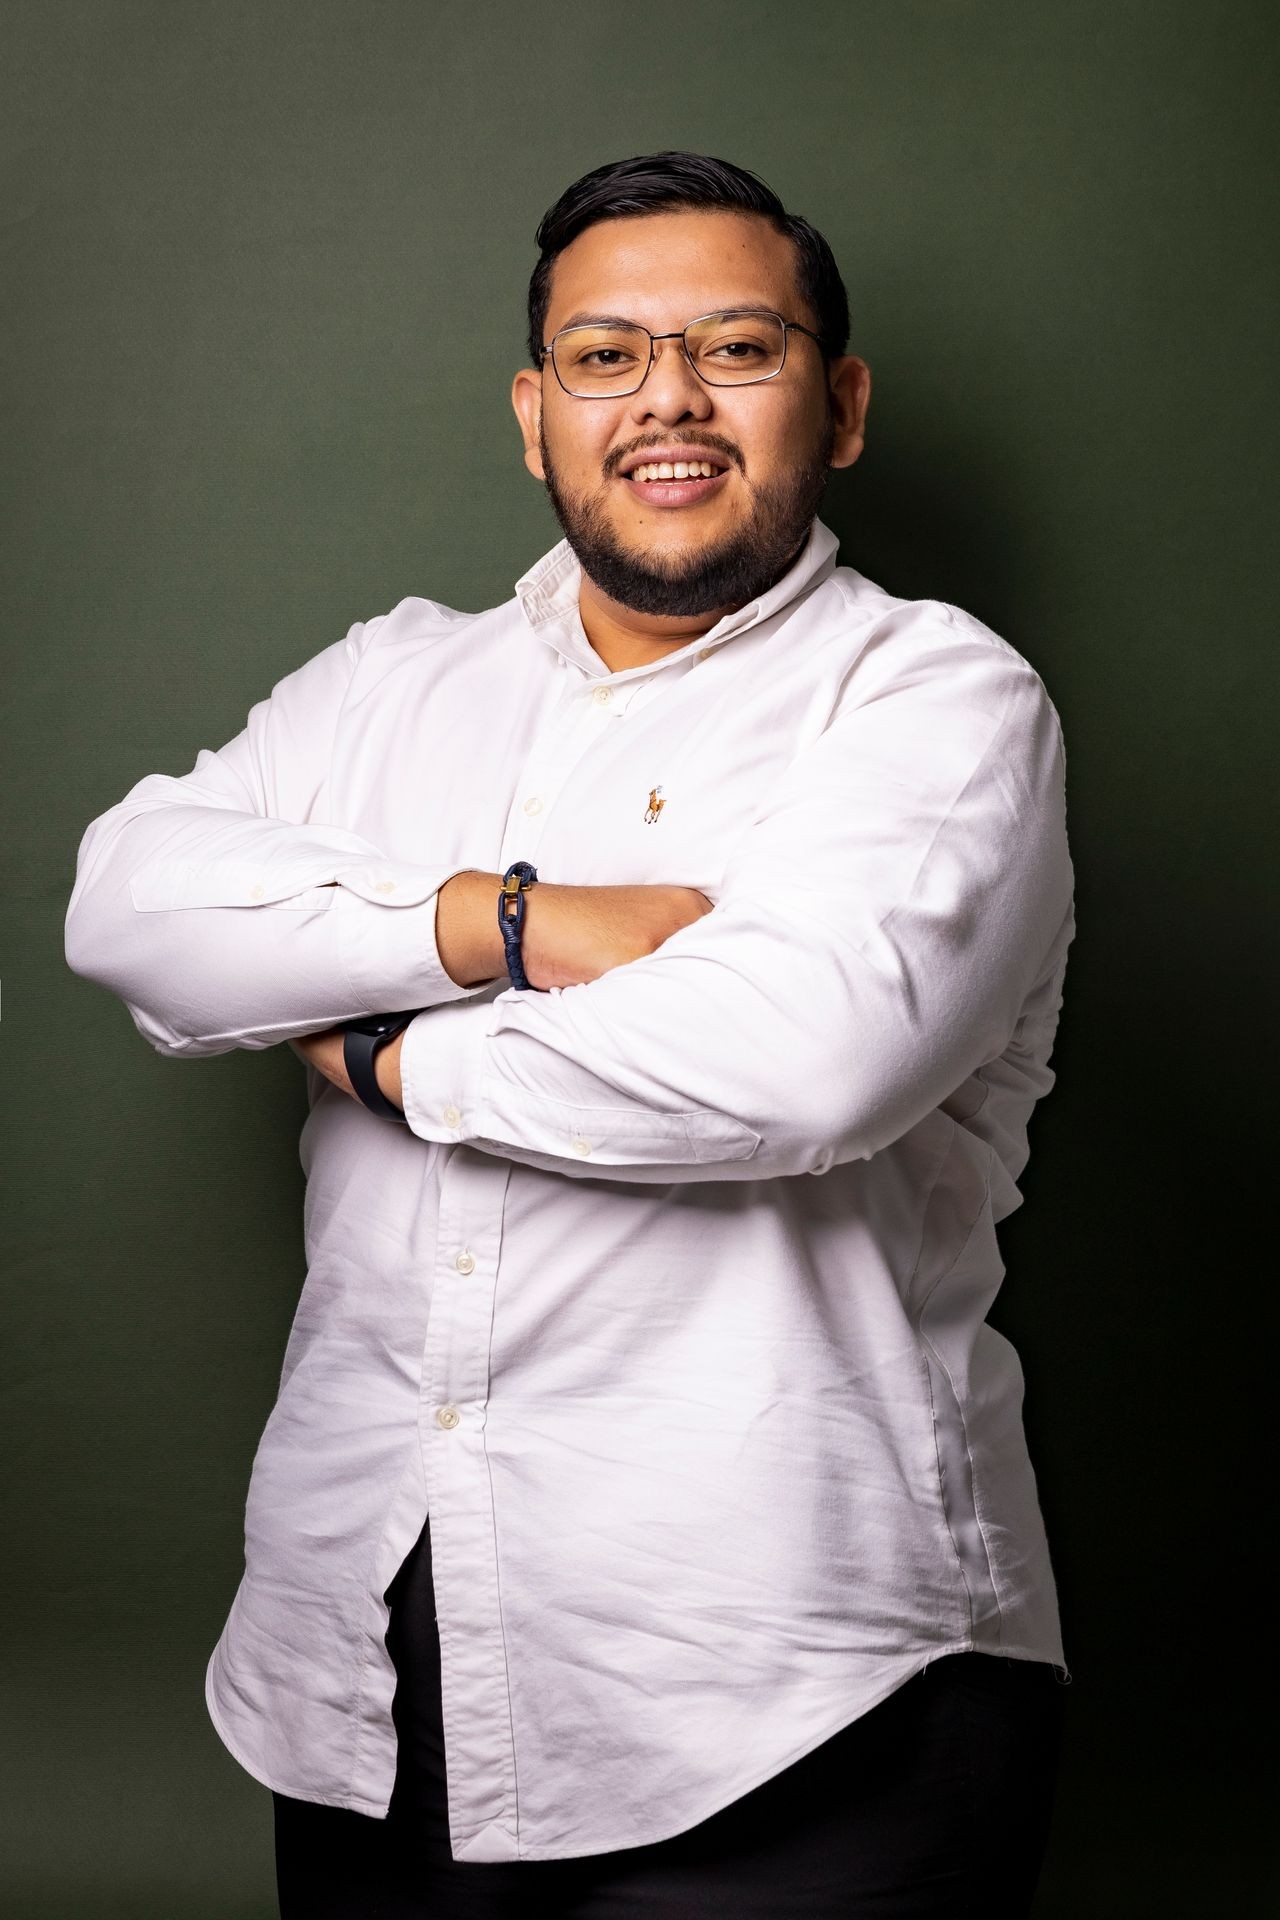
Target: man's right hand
(571, 934)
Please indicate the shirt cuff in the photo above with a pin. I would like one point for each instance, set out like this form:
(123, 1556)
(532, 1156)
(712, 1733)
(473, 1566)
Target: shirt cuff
(441, 1063)
(456, 1087)
(392, 958)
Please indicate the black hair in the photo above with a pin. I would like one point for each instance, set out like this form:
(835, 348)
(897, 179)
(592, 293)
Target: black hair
(657, 182)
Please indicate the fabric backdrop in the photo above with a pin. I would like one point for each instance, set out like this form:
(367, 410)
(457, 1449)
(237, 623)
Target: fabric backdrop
(265, 270)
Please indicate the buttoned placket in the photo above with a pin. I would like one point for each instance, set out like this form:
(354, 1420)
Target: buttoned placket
(454, 1391)
(455, 1376)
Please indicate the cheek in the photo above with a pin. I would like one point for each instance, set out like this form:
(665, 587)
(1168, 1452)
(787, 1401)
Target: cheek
(577, 447)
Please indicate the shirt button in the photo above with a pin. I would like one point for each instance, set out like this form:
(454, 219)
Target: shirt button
(705, 653)
(602, 696)
(384, 886)
(451, 1116)
(533, 804)
(465, 1262)
(580, 1146)
(256, 893)
(447, 1416)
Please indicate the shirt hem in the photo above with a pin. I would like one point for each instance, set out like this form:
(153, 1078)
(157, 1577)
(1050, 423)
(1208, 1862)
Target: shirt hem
(351, 1802)
(356, 1803)
(842, 1719)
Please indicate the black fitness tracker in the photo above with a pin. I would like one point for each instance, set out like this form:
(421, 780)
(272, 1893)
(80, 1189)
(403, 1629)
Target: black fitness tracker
(361, 1042)
(516, 881)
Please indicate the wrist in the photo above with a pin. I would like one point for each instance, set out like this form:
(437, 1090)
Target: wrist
(468, 937)
(386, 1071)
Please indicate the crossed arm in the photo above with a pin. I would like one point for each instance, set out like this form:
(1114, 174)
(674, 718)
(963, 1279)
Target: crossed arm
(885, 925)
(570, 934)
(470, 947)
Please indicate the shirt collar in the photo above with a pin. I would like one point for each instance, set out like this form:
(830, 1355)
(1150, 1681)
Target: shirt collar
(548, 596)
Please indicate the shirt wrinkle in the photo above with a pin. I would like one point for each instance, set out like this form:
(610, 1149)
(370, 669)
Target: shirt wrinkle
(667, 1300)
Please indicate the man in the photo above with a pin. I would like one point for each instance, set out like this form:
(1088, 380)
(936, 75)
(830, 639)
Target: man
(723, 899)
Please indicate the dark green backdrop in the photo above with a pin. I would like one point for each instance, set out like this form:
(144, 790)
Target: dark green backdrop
(265, 269)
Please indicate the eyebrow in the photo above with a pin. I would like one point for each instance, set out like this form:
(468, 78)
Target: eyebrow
(584, 319)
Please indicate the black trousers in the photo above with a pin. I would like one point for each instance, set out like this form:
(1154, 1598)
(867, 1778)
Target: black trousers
(934, 1803)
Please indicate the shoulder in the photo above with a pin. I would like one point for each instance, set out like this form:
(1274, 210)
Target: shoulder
(411, 625)
(938, 649)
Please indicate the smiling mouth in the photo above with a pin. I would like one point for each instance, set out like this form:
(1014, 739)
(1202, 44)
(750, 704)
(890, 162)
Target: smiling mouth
(675, 492)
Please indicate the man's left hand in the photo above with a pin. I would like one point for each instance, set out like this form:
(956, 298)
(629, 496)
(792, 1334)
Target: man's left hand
(324, 1051)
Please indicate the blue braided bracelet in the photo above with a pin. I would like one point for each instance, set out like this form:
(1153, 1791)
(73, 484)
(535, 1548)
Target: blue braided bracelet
(516, 881)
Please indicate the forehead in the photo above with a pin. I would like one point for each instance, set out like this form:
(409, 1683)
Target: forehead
(663, 269)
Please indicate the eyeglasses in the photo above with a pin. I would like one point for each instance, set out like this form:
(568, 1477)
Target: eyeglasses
(733, 349)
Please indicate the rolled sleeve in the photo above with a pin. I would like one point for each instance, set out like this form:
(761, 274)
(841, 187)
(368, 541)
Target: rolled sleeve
(386, 922)
(457, 1088)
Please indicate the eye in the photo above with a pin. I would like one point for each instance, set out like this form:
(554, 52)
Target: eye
(730, 349)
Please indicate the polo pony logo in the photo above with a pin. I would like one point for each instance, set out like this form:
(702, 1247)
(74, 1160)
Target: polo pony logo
(655, 806)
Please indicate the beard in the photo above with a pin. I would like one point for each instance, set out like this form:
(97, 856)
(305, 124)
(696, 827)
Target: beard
(724, 574)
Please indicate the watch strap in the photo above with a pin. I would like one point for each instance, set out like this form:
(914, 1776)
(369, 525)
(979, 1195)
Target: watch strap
(362, 1041)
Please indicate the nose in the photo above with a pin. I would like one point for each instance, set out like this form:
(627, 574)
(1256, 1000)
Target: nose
(671, 389)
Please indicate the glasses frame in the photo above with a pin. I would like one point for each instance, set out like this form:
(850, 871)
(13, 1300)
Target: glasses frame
(620, 393)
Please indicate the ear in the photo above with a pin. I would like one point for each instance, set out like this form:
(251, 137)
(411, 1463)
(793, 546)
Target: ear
(850, 380)
(526, 398)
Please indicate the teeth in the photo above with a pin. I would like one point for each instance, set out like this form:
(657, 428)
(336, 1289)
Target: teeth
(680, 470)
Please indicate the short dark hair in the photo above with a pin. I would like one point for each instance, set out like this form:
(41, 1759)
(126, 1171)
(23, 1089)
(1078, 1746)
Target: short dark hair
(657, 182)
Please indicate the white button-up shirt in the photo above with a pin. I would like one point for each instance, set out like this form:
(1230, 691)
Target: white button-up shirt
(668, 1302)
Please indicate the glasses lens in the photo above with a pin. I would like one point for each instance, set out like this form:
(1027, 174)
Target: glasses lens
(602, 360)
(730, 348)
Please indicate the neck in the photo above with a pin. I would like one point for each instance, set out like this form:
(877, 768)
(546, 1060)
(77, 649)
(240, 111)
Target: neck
(624, 638)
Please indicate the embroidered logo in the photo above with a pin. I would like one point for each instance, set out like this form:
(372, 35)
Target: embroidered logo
(655, 806)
